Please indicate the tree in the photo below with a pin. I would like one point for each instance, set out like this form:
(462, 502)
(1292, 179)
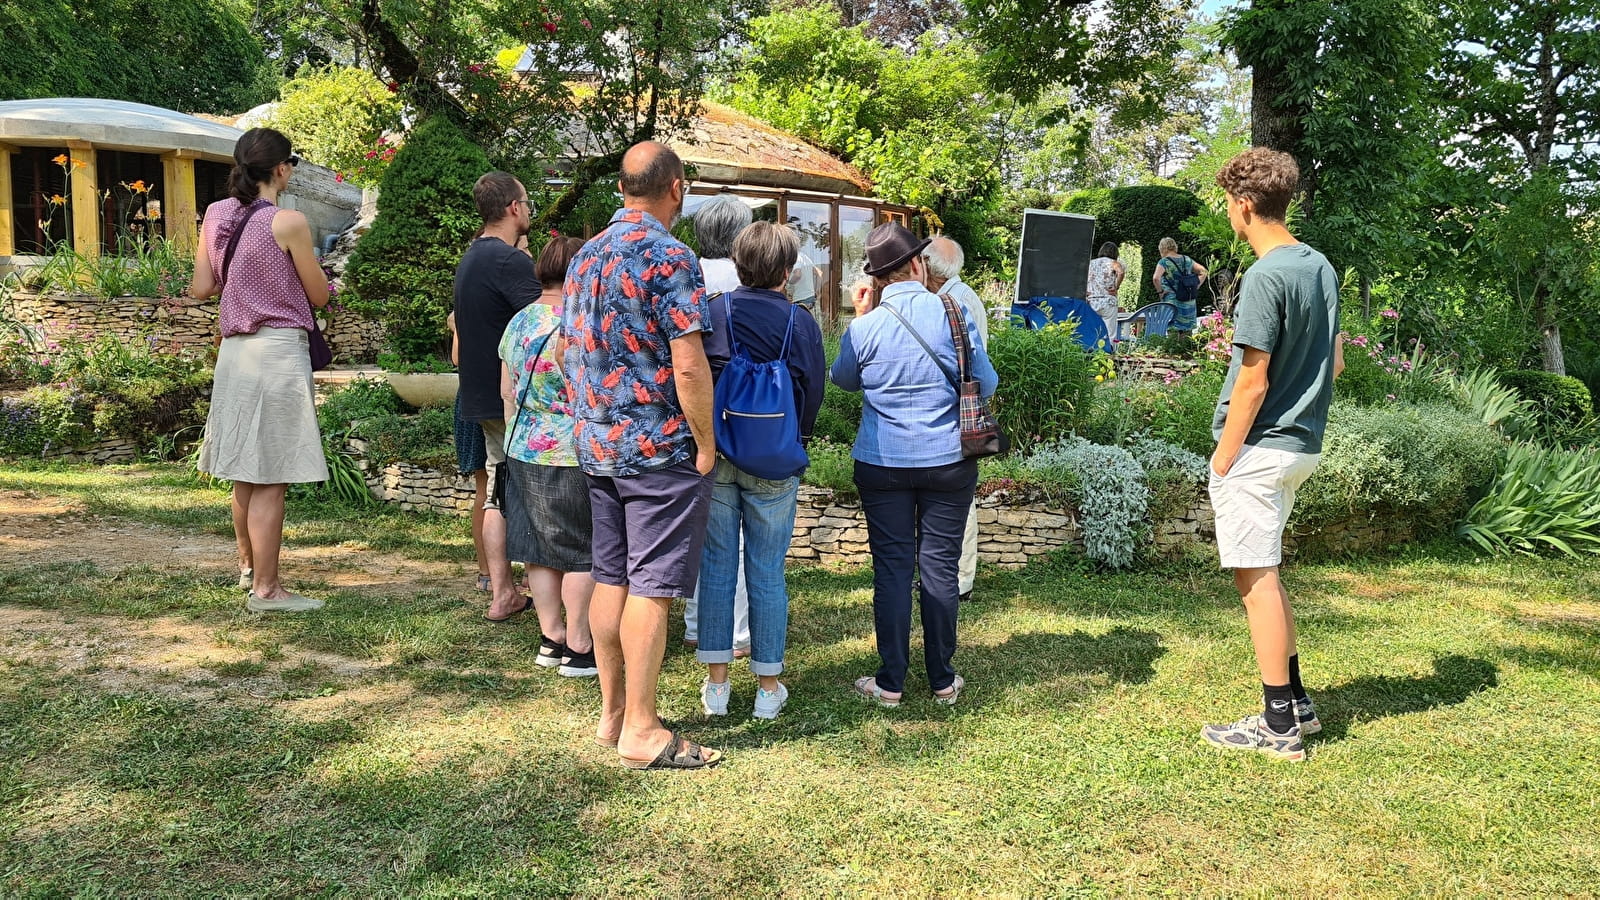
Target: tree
(188, 55)
(1521, 86)
(1141, 215)
(337, 117)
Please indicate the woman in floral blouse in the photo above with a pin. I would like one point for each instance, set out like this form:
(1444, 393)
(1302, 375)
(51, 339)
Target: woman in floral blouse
(546, 494)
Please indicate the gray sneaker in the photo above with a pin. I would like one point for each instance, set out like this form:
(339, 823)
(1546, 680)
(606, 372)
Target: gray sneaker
(770, 703)
(714, 697)
(247, 579)
(1253, 733)
(286, 603)
(1306, 716)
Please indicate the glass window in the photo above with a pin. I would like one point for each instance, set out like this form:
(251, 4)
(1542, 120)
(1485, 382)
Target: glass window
(130, 204)
(808, 283)
(210, 185)
(40, 199)
(765, 209)
(855, 222)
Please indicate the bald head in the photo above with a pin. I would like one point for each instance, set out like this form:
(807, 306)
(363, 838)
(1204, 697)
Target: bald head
(945, 259)
(648, 171)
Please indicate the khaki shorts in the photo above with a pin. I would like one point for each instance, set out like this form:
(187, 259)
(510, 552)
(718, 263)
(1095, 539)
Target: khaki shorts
(494, 446)
(1253, 501)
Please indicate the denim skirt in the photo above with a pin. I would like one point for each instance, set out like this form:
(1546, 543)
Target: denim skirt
(547, 515)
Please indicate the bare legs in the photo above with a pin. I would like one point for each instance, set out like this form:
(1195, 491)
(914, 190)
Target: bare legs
(507, 599)
(1266, 605)
(554, 591)
(630, 637)
(258, 529)
(480, 483)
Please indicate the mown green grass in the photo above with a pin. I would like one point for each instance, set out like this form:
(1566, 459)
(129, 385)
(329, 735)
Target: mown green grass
(1459, 757)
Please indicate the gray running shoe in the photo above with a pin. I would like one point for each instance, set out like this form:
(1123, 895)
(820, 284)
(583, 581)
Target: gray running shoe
(1253, 733)
(286, 603)
(1306, 715)
(247, 579)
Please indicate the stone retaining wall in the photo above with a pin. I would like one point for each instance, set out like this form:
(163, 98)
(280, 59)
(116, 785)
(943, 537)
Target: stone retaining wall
(832, 530)
(177, 322)
(1153, 367)
(110, 451)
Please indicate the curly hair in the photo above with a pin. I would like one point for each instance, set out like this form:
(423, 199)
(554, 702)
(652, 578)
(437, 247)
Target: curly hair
(1267, 178)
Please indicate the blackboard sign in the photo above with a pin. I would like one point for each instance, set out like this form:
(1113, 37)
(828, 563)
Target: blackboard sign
(1054, 257)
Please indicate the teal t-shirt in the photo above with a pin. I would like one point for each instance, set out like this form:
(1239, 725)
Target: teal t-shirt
(1288, 307)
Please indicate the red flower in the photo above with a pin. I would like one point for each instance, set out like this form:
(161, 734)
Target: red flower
(338, 176)
(394, 87)
(550, 27)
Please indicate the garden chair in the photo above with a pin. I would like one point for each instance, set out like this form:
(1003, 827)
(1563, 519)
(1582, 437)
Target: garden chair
(1036, 312)
(1156, 317)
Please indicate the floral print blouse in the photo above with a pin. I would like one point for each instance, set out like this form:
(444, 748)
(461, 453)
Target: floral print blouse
(541, 432)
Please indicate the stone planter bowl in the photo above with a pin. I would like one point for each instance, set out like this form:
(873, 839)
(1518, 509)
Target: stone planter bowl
(421, 389)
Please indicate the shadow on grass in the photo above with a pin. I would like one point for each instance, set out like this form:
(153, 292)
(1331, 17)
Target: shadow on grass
(224, 800)
(1455, 679)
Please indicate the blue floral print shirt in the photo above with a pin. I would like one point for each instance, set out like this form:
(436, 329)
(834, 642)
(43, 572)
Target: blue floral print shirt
(629, 292)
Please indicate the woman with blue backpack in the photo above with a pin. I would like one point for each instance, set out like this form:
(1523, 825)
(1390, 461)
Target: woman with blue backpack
(768, 368)
(1177, 279)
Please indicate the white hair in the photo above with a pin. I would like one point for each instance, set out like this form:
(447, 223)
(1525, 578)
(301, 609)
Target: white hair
(944, 258)
(717, 223)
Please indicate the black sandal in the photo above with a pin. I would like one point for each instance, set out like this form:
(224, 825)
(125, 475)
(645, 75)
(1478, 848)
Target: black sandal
(692, 756)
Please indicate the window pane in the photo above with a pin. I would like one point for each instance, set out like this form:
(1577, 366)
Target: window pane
(810, 276)
(38, 200)
(130, 204)
(854, 224)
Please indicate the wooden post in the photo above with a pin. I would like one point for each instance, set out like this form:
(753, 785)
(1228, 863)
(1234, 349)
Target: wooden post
(8, 231)
(178, 200)
(85, 199)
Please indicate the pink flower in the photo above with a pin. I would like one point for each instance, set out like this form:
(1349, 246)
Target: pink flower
(1390, 314)
(550, 27)
(338, 176)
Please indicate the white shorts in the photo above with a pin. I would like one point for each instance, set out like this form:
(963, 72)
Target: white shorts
(1253, 501)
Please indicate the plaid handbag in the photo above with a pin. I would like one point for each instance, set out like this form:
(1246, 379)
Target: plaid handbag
(980, 433)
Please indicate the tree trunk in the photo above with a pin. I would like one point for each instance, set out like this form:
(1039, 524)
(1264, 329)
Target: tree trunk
(1544, 312)
(1366, 296)
(1275, 120)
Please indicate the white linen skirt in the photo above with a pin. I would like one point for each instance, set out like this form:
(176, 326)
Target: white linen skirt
(262, 428)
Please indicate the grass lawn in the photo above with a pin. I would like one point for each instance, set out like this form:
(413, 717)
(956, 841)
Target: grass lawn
(157, 740)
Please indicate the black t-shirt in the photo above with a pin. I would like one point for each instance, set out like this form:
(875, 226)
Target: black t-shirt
(493, 281)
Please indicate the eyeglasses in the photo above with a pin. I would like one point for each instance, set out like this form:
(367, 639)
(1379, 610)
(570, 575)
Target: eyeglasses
(526, 202)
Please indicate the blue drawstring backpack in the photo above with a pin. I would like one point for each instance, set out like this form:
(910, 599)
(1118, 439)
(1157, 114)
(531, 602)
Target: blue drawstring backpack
(753, 414)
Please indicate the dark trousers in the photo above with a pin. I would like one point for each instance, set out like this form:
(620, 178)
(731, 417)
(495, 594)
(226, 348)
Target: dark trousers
(915, 521)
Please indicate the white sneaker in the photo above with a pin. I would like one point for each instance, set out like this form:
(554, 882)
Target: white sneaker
(287, 603)
(770, 703)
(247, 579)
(714, 697)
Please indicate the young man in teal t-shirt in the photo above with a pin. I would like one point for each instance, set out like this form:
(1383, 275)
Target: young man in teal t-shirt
(1269, 425)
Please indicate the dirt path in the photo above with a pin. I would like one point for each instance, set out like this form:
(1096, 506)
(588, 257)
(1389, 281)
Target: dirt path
(177, 657)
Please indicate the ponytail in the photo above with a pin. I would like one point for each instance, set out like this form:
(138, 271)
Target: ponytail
(256, 154)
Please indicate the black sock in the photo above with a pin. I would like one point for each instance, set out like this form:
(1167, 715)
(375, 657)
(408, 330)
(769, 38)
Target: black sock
(1278, 702)
(1294, 678)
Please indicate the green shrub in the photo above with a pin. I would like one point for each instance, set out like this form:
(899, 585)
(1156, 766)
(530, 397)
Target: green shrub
(1046, 383)
(840, 416)
(427, 438)
(1481, 394)
(831, 466)
(1543, 499)
(1560, 402)
(1424, 463)
(1141, 215)
(402, 271)
(337, 117)
(43, 418)
(1112, 496)
(358, 401)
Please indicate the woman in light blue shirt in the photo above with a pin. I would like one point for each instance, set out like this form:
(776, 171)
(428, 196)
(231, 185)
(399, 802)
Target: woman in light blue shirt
(915, 484)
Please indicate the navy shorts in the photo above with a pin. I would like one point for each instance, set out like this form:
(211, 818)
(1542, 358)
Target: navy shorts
(649, 530)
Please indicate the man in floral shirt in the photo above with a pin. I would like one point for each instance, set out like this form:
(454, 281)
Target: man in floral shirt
(634, 313)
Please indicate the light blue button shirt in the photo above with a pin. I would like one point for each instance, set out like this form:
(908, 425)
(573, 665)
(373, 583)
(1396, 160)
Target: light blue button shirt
(909, 416)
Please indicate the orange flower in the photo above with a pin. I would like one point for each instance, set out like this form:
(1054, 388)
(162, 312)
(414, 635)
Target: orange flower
(79, 164)
(138, 187)
(61, 160)
(58, 200)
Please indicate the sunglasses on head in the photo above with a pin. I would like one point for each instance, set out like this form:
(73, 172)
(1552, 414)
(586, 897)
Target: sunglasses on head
(293, 160)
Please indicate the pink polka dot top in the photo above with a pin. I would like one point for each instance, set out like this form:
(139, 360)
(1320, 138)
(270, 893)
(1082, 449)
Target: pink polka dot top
(262, 289)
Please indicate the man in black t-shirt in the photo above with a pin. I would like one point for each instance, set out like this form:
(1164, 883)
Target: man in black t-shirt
(493, 281)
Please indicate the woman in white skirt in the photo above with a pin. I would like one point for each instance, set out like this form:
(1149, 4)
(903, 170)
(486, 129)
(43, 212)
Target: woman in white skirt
(262, 432)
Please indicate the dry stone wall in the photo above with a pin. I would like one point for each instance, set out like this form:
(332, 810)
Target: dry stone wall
(172, 322)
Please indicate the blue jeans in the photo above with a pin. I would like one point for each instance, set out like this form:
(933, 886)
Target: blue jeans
(764, 512)
(915, 521)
